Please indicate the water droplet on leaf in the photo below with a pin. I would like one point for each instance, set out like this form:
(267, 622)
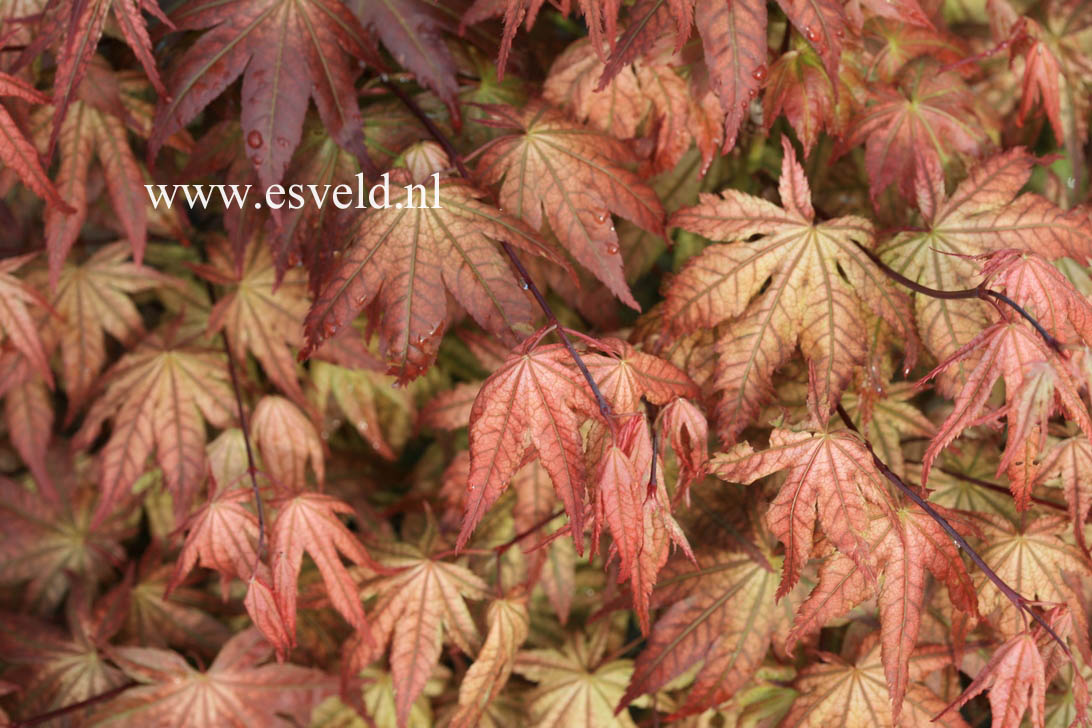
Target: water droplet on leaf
(254, 139)
(811, 34)
(759, 74)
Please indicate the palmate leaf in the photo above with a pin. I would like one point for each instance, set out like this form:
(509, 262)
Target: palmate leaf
(1033, 559)
(575, 686)
(720, 616)
(419, 605)
(16, 151)
(819, 283)
(290, 52)
(983, 215)
(259, 311)
(576, 177)
(534, 404)
(903, 549)
(93, 299)
(58, 668)
(402, 260)
(77, 28)
(1038, 380)
(928, 117)
(830, 475)
(16, 323)
(236, 690)
(49, 542)
(850, 693)
(95, 126)
(158, 397)
(649, 94)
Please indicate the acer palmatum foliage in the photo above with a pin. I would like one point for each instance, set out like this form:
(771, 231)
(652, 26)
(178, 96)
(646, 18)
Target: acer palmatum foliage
(739, 375)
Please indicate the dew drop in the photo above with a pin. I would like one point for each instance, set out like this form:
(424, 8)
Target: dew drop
(601, 218)
(256, 160)
(282, 142)
(811, 34)
(752, 92)
(523, 285)
(612, 250)
(759, 74)
(254, 139)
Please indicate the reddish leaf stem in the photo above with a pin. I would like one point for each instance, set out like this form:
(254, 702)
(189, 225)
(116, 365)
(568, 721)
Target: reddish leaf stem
(251, 467)
(980, 292)
(1011, 594)
(449, 148)
(501, 548)
(46, 717)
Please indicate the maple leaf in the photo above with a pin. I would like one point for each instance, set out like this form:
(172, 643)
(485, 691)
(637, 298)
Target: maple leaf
(577, 177)
(289, 52)
(382, 415)
(983, 215)
(819, 283)
(77, 28)
(158, 396)
(1038, 381)
(221, 535)
(1032, 559)
(260, 311)
(236, 690)
(17, 152)
(308, 522)
(903, 549)
(180, 619)
(892, 45)
(929, 114)
(647, 95)
(411, 31)
(734, 42)
(509, 626)
(49, 539)
(1070, 459)
(287, 440)
(532, 405)
(830, 473)
(420, 603)
(1015, 679)
(811, 101)
(718, 616)
(850, 693)
(28, 413)
(60, 668)
(403, 260)
(92, 299)
(574, 684)
(95, 127)
(16, 323)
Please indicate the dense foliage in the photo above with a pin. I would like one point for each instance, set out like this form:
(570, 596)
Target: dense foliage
(741, 375)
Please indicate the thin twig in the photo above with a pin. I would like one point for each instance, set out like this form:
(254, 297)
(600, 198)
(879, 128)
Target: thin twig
(1011, 594)
(979, 292)
(59, 712)
(551, 317)
(251, 467)
(501, 548)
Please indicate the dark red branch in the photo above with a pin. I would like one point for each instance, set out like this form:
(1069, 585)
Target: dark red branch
(59, 712)
(1011, 594)
(980, 292)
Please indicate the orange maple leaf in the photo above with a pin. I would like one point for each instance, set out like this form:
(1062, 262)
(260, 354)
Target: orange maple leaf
(576, 176)
(820, 283)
